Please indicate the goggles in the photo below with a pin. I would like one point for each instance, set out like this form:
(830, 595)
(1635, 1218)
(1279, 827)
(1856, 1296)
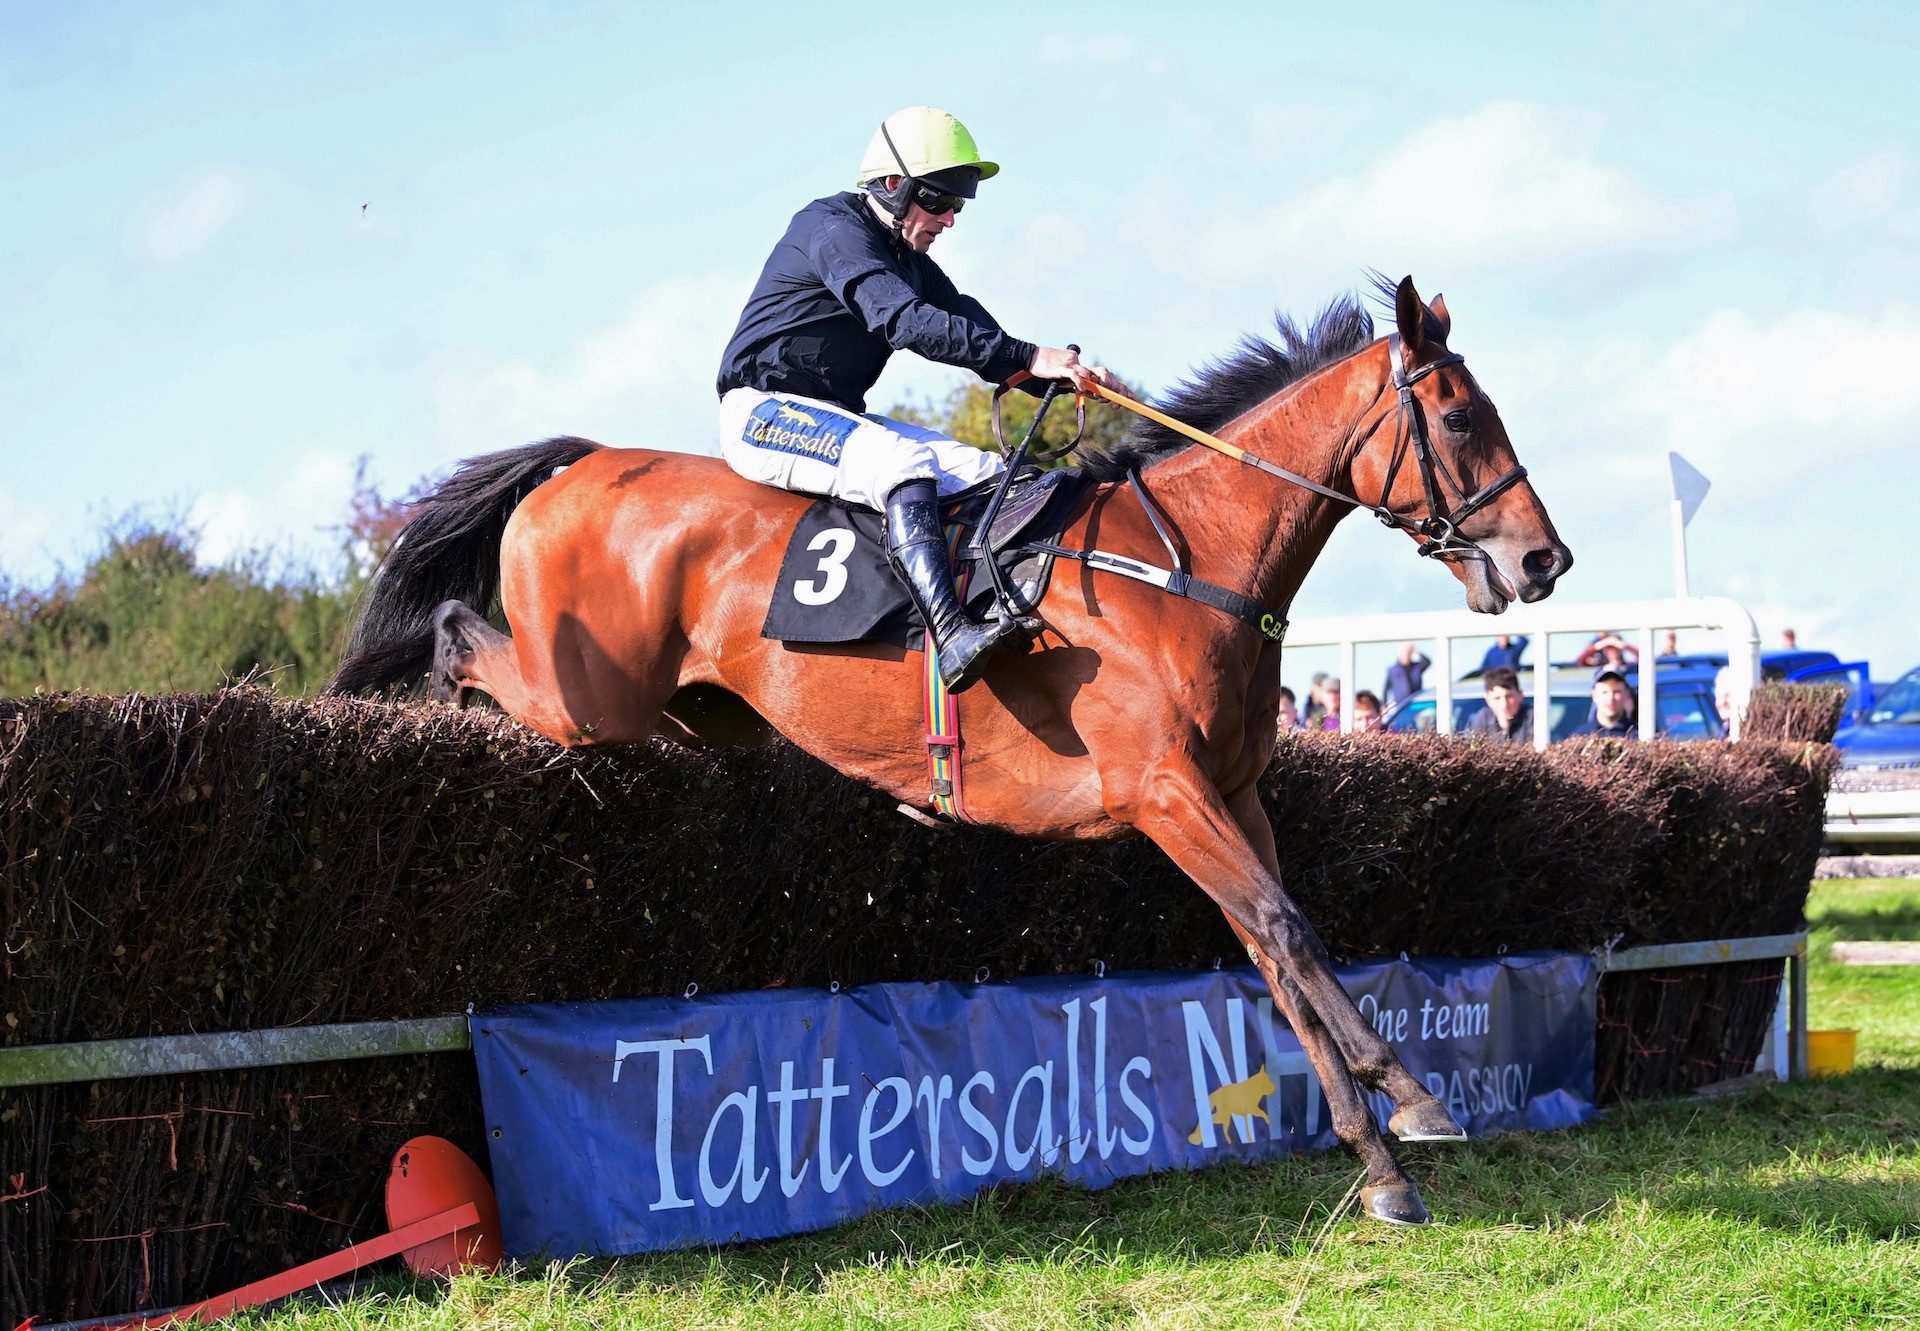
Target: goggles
(935, 202)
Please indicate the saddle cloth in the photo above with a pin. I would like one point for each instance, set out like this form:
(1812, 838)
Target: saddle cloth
(837, 585)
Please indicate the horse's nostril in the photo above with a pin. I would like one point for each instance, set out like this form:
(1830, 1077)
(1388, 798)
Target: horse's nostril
(1546, 564)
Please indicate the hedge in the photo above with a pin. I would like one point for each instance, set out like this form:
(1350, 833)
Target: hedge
(230, 861)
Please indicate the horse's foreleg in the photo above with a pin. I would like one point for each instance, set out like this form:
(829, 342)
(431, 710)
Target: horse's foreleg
(1183, 812)
(1389, 1194)
(1418, 1114)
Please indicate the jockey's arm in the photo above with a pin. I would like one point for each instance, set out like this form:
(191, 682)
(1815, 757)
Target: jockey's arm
(1048, 362)
(864, 279)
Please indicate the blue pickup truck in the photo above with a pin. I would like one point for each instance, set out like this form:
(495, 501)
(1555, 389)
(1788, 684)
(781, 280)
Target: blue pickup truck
(1887, 736)
(1683, 693)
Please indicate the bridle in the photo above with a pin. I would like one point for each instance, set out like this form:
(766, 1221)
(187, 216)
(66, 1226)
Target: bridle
(1439, 531)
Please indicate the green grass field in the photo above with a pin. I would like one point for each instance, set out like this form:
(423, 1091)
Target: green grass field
(1793, 1206)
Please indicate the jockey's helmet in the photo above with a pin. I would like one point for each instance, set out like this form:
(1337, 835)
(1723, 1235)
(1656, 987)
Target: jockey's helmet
(926, 147)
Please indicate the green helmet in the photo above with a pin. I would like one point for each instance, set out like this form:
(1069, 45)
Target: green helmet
(922, 140)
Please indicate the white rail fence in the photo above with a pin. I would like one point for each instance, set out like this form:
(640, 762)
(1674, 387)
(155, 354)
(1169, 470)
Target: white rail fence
(1632, 619)
(1873, 817)
(1854, 817)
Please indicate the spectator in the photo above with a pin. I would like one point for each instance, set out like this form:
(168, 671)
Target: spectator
(1316, 702)
(1330, 696)
(1506, 651)
(1404, 676)
(1789, 640)
(1366, 710)
(1509, 716)
(1608, 649)
(1670, 645)
(1723, 697)
(1612, 706)
(1289, 711)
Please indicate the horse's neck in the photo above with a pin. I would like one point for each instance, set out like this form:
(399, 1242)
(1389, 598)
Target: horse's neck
(1257, 533)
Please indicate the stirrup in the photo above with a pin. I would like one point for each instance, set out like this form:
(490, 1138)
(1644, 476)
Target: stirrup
(967, 648)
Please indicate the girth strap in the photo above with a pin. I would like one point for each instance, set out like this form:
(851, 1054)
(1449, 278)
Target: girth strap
(1248, 611)
(946, 792)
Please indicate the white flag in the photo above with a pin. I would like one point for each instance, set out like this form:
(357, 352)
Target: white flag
(1689, 486)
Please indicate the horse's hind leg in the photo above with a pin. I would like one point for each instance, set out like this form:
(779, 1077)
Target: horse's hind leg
(459, 635)
(570, 707)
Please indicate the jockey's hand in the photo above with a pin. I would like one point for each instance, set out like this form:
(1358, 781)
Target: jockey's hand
(1065, 363)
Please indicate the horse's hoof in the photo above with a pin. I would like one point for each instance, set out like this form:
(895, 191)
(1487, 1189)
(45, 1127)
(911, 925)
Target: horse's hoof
(1395, 1204)
(1427, 1121)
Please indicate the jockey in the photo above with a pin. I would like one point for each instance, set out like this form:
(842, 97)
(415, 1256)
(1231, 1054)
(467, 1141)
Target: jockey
(849, 284)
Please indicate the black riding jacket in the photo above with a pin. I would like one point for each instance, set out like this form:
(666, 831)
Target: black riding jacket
(839, 294)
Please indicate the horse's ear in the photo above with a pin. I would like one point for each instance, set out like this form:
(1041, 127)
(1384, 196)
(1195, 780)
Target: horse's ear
(1439, 307)
(1410, 316)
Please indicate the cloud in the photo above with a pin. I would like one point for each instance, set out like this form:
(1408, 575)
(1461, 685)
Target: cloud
(293, 517)
(1760, 402)
(181, 224)
(1507, 185)
(645, 380)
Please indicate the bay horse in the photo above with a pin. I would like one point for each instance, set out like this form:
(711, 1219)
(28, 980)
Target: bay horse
(635, 583)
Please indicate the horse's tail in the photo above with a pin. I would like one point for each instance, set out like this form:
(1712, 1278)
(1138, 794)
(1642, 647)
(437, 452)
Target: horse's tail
(448, 551)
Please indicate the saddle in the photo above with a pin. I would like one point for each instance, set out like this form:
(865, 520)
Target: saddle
(837, 585)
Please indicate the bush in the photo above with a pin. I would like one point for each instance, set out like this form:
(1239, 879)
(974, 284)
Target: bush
(234, 861)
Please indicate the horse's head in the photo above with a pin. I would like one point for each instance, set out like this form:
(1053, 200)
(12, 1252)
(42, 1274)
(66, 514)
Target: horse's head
(1442, 463)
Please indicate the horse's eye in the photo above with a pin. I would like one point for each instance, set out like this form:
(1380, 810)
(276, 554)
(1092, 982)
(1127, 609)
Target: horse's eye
(1459, 421)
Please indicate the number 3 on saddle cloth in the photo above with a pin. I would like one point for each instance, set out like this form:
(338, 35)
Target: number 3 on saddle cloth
(837, 586)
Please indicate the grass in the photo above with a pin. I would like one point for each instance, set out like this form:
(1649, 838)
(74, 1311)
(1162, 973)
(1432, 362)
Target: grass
(1794, 1206)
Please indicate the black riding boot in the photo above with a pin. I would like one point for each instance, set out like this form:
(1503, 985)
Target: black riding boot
(919, 550)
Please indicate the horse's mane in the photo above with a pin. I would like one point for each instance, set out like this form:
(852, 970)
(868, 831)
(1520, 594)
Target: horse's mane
(1248, 375)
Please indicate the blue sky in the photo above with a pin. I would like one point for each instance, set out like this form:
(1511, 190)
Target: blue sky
(1687, 226)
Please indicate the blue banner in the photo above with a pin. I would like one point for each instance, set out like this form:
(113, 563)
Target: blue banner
(621, 1127)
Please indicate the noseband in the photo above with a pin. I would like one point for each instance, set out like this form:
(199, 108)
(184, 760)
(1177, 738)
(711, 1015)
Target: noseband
(1439, 531)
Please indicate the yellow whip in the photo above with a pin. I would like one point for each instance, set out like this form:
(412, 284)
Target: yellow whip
(1157, 417)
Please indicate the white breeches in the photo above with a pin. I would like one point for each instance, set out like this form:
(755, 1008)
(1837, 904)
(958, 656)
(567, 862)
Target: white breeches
(804, 444)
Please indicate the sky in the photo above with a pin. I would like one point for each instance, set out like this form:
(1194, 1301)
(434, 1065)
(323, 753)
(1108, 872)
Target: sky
(243, 246)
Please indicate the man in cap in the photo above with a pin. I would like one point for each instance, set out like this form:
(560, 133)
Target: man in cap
(1612, 706)
(849, 284)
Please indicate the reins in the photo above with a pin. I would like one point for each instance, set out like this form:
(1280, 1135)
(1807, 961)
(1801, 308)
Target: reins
(1439, 531)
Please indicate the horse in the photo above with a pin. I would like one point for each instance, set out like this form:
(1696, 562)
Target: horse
(634, 583)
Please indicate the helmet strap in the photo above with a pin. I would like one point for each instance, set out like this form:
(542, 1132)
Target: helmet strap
(898, 199)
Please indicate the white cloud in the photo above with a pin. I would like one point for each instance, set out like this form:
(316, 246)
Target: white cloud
(644, 381)
(292, 517)
(1505, 185)
(1758, 402)
(181, 224)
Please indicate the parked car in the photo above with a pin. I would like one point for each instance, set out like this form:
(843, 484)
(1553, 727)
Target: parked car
(1799, 666)
(1888, 736)
(1683, 698)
